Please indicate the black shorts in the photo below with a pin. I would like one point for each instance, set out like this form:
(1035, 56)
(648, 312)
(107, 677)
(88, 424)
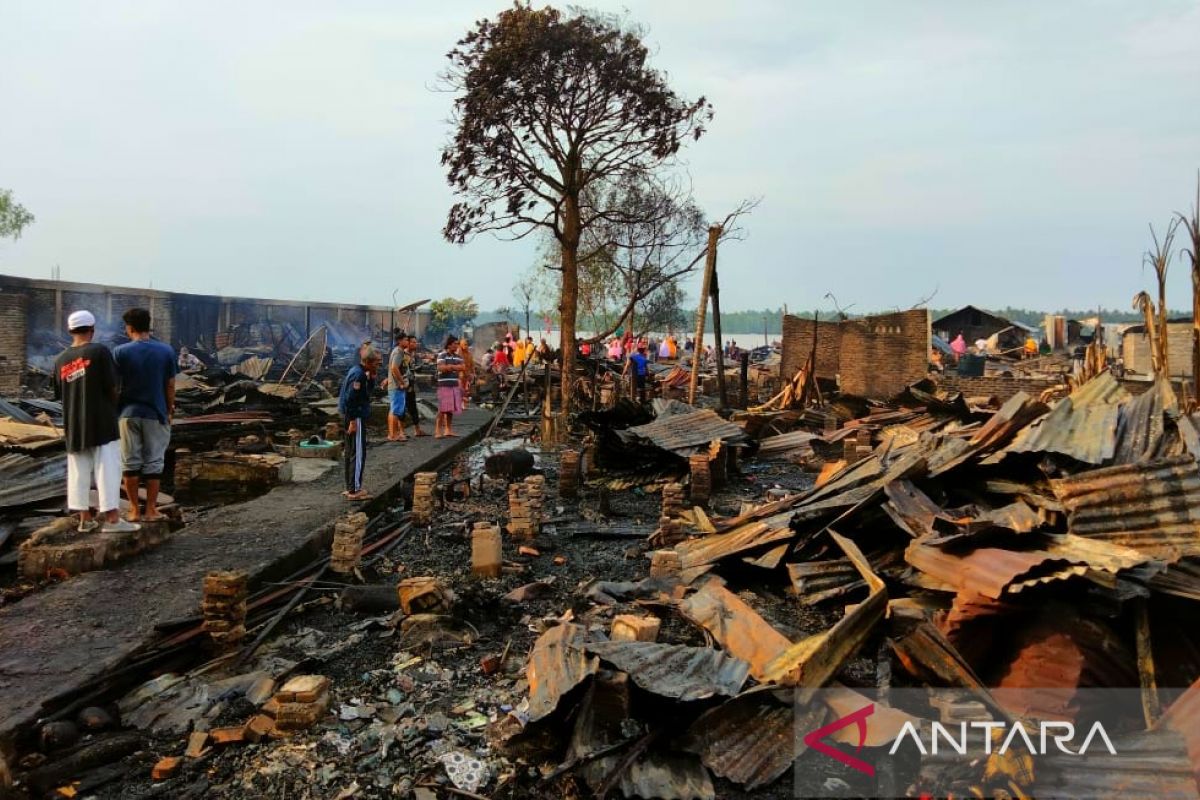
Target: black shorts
(640, 381)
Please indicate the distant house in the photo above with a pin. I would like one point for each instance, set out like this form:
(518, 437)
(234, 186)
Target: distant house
(975, 323)
(1135, 348)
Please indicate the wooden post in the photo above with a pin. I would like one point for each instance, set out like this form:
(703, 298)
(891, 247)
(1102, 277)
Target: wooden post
(716, 303)
(710, 265)
(745, 380)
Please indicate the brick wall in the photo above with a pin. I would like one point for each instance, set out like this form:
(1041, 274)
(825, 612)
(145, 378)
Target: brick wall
(12, 341)
(872, 357)
(1000, 387)
(1003, 388)
(798, 342)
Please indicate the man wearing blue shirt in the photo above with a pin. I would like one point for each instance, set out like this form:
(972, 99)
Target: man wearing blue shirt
(640, 371)
(354, 404)
(146, 369)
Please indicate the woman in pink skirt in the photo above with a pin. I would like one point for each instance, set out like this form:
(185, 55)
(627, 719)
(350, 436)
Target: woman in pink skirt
(449, 388)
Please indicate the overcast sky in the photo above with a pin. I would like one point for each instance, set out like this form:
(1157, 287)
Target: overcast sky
(998, 153)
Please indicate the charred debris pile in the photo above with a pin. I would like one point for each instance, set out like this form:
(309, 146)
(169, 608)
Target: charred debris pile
(1047, 543)
(511, 641)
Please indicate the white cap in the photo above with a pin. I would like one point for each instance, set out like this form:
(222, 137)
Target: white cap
(81, 319)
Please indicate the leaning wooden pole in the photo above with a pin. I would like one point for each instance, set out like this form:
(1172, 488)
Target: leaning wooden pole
(716, 304)
(710, 265)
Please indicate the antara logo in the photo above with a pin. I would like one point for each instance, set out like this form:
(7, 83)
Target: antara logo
(859, 718)
(1061, 734)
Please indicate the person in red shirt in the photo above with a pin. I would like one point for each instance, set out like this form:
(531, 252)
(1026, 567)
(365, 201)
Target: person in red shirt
(500, 365)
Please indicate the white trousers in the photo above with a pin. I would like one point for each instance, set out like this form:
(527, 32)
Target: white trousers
(105, 463)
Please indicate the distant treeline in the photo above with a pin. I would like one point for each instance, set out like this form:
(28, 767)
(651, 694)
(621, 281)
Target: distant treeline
(743, 323)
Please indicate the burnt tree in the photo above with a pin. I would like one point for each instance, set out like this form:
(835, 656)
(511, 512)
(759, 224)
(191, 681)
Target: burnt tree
(550, 109)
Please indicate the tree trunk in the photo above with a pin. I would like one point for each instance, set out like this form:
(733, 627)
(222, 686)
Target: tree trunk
(1164, 360)
(569, 298)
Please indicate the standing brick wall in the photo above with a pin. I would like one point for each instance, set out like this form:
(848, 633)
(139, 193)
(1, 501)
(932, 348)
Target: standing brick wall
(882, 355)
(1004, 387)
(12, 341)
(1000, 387)
(874, 356)
(798, 342)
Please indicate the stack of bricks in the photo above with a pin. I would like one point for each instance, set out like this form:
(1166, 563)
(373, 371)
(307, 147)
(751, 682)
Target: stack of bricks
(701, 477)
(535, 499)
(672, 500)
(422, 505)
(857, 447)
(300, 704)
(224, 607)
(670, 532)
(568, 473)
(487, 557)
(521, 523)
(348, 535)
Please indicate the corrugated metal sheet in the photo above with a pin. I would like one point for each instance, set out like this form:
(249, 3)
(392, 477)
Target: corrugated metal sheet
(1183, 717)
(716, 546)
(1016, 413)
(25, 479)
(687, 433)
(992, 571)
(1150, 764)
(1142, 433)
(785, 443)
(1057, 653)
(557, 665)
(667, 776)
(736, 626)
(1082, 426)
(678, 671)
(988, 570)
(749, 739)
(1154, 507)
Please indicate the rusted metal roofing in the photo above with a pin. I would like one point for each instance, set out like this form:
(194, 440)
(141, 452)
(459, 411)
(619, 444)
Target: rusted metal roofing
(1082, 426)
(716, 546)
(1084, 433)
(1154, 507)
(1142, 433)
(25, 479)
(1016, 413)
(987, 570)
(812, 662)
(748, 739)
(1057, 653)
(667, 776)
(993, 571)
(687, 433)
(1183, 717)
(1147, 764)
(678, 671)
(557, 665)
(736, 626)
(785, 444)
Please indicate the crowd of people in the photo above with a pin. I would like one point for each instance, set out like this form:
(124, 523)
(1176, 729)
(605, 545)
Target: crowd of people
(117, 411)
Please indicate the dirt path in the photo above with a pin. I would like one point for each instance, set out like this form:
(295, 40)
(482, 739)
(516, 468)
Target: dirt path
(70, 633)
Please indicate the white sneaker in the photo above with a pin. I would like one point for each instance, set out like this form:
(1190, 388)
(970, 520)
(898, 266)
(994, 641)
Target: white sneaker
(88, 525)
(120, 526)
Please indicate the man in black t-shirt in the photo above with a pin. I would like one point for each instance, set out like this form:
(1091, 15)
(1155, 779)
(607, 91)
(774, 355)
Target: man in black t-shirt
(85, 379)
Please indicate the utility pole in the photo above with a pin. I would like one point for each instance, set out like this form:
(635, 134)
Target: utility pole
(710, 266)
